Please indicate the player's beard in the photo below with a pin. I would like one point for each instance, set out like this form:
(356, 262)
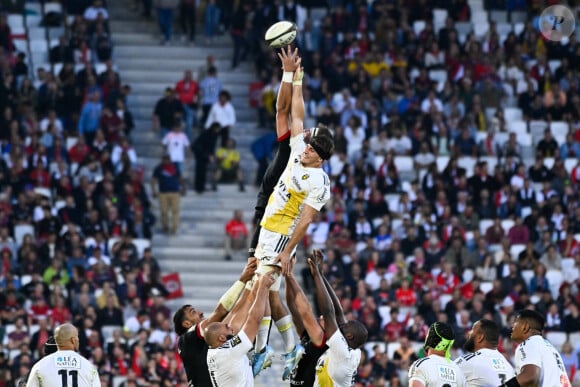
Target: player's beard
(229, 337)
(469, 345)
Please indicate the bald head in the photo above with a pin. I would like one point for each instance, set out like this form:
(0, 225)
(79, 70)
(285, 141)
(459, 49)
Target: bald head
(66, 337)
(217, 333)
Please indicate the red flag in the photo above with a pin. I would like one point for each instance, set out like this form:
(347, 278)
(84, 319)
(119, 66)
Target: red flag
(255, 92)
(173, 285)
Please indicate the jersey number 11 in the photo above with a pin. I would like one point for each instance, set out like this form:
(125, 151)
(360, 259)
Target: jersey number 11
(74, 376)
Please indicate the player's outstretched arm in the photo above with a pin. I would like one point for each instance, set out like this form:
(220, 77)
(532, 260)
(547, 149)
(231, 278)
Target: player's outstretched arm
(307, 216)
(301, 310)
(338, 311)
(256, 313)
(228, 300)
(290, 62)
(528, 377)
(297, 110)
(323, 299)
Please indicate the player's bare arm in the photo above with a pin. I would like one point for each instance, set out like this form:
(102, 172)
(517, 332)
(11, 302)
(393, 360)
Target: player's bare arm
(297, 109)
(290, 62)
(256, 312)
(306, 217)
(228, 300)
(318, 258)
(323, 299)
(304, 318)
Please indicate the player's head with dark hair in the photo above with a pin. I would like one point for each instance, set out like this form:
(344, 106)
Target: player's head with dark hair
(527, 323)
(50, 346)
(185, 318)
(484, 334)
(323, 145)
(440, 338)
(355, 333)
(318, 130)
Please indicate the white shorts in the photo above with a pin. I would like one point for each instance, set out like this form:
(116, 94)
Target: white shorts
(270, 244)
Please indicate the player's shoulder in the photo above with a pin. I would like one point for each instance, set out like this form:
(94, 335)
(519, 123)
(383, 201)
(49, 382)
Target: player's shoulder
(468, 357)
(421, 363)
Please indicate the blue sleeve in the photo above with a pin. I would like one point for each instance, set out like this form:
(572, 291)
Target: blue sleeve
(82, 119)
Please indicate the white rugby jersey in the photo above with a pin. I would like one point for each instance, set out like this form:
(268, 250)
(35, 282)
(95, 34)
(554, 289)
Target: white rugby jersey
(437, 371)
(485, 368)
(540, 352)
(338, 365)
(228, 365)
(63, 369)
(297, 186)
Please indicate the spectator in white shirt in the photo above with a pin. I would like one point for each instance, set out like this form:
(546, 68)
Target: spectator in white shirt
(355, 135)
(123, 148)
(399, 143)
(51, 118)
(430, 103)
(424, 158)
(92, 12)
(223, 113)
(176, 144)
(134, 324)
(159, 334)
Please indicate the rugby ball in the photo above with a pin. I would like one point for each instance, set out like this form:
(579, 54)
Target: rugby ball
(280, 34)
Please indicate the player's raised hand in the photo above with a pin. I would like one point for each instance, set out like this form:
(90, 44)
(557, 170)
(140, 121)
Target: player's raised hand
(318, 258)
(267, 280)
(314, 271)
(290, 59)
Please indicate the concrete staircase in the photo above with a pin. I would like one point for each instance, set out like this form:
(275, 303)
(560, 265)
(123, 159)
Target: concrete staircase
(196, 252)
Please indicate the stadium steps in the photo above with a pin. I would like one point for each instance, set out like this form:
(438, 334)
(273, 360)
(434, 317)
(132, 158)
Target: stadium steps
(196, 252)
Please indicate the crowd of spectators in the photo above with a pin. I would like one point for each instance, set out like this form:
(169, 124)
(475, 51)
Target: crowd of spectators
(443, 242)
(75, 218)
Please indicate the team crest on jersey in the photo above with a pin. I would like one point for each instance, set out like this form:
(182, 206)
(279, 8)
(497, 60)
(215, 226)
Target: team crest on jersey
(447, 374)
(497, 364)
(235, 341)
(305, 176)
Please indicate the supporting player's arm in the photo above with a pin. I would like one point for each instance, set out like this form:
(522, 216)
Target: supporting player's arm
(297, 109)
(338, 311)
(528, 377)
(307, 216)
(229, 298)
(256, 312)
(323, 299)
(301, 309)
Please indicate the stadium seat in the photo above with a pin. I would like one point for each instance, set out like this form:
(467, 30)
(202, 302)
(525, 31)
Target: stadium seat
(557, 339)
(515, 250)
(555, 279)
(71, 141)
(527, 275)
(486, 287)
(439, 76)
(512, 114)
(108, 330)
(537, 127)
(33, 21)
(560, 138)
(519, 27)
(444, 299)
(554, 65)
(570, 272)
(519, 17)
(491, 163)
(33, 8)
(569, 164)
(15, 21)
(442, 162)
(378, 161)
(43, 192)
(559, 128)
(499, 16)
(501, 138)
(507, 224)
(119, 381)
(385, 313)
(52, 7)
(392, 348)
(418, 26)
(468, 163)
(479, 17)
(32, 329)
(405, 166)
(37, 33)
(111, 242)
(526, 211)
(549, 162)
(480, 29)
(141, 244)
(574, 337)
(469, 235)
(439, 15)
(25, 279)
(484, 224)
(463, 28)
(396, 223)
(20, 231)
(20, 45)
(525, 140)
(577, 237)
(518, 127)
(371, 344)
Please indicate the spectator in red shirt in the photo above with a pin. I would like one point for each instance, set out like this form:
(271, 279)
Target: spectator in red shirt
(187, 91)
(447, 280)
(405, 295)
(394, 328)
(79, 151)
(39, 177)
(236, 234)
